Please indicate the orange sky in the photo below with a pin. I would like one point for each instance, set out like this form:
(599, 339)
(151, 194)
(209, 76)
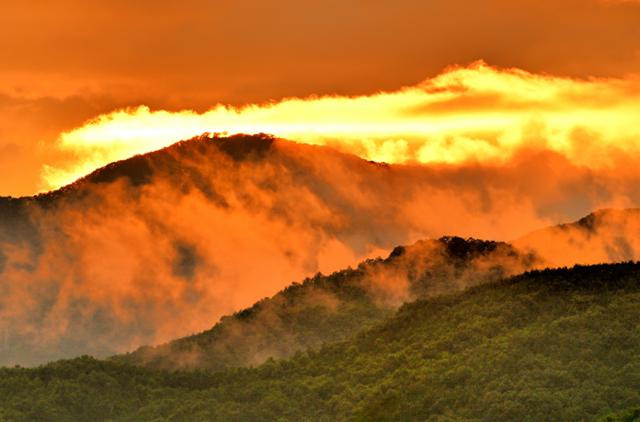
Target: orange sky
(474, 114)
(64, 62)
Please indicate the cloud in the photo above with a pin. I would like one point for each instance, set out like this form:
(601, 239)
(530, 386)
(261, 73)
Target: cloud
(198, 54)
(28, 129)
(209, 226)
(477, 113)
(604, 236)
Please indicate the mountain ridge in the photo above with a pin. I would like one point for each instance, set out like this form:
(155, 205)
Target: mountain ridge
(458, 252)
(204, 214)
(328, 308)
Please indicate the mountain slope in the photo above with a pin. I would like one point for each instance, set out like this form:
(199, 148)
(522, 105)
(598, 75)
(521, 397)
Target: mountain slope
(553, 344)
(329, 308)
(162, 245)
(606, 235)
(200, 229)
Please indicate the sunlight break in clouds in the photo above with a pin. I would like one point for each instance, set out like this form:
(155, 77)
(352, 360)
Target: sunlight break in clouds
(468, 114)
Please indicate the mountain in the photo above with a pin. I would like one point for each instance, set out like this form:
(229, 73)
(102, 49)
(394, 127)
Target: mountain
(607, 235)
(554, 344)
(330, 308)
(161, 245)
(325, 309)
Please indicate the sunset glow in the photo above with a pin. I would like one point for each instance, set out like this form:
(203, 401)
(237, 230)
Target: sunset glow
(320, 210)
(476, 113)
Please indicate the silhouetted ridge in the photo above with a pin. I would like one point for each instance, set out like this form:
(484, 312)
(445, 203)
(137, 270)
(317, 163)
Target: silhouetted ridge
(459, 248)
(397, 251)
(591, 221)
(136, 169)
(245, 147)
(139, 169)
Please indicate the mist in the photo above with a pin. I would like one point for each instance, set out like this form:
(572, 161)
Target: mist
(162, 245)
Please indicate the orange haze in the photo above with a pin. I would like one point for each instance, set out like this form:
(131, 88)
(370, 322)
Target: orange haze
(468, 114)
(162, 245)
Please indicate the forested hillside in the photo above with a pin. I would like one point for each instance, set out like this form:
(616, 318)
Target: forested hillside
(329, 308)
(630, 415)
(546, 345)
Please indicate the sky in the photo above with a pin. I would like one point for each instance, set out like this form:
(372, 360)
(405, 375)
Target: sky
(65, 63)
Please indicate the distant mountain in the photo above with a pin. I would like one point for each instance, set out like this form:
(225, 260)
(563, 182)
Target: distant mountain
(546, 345)
(608, 235)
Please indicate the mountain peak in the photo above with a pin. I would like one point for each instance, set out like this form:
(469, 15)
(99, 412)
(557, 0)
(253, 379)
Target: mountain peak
(591, 221)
